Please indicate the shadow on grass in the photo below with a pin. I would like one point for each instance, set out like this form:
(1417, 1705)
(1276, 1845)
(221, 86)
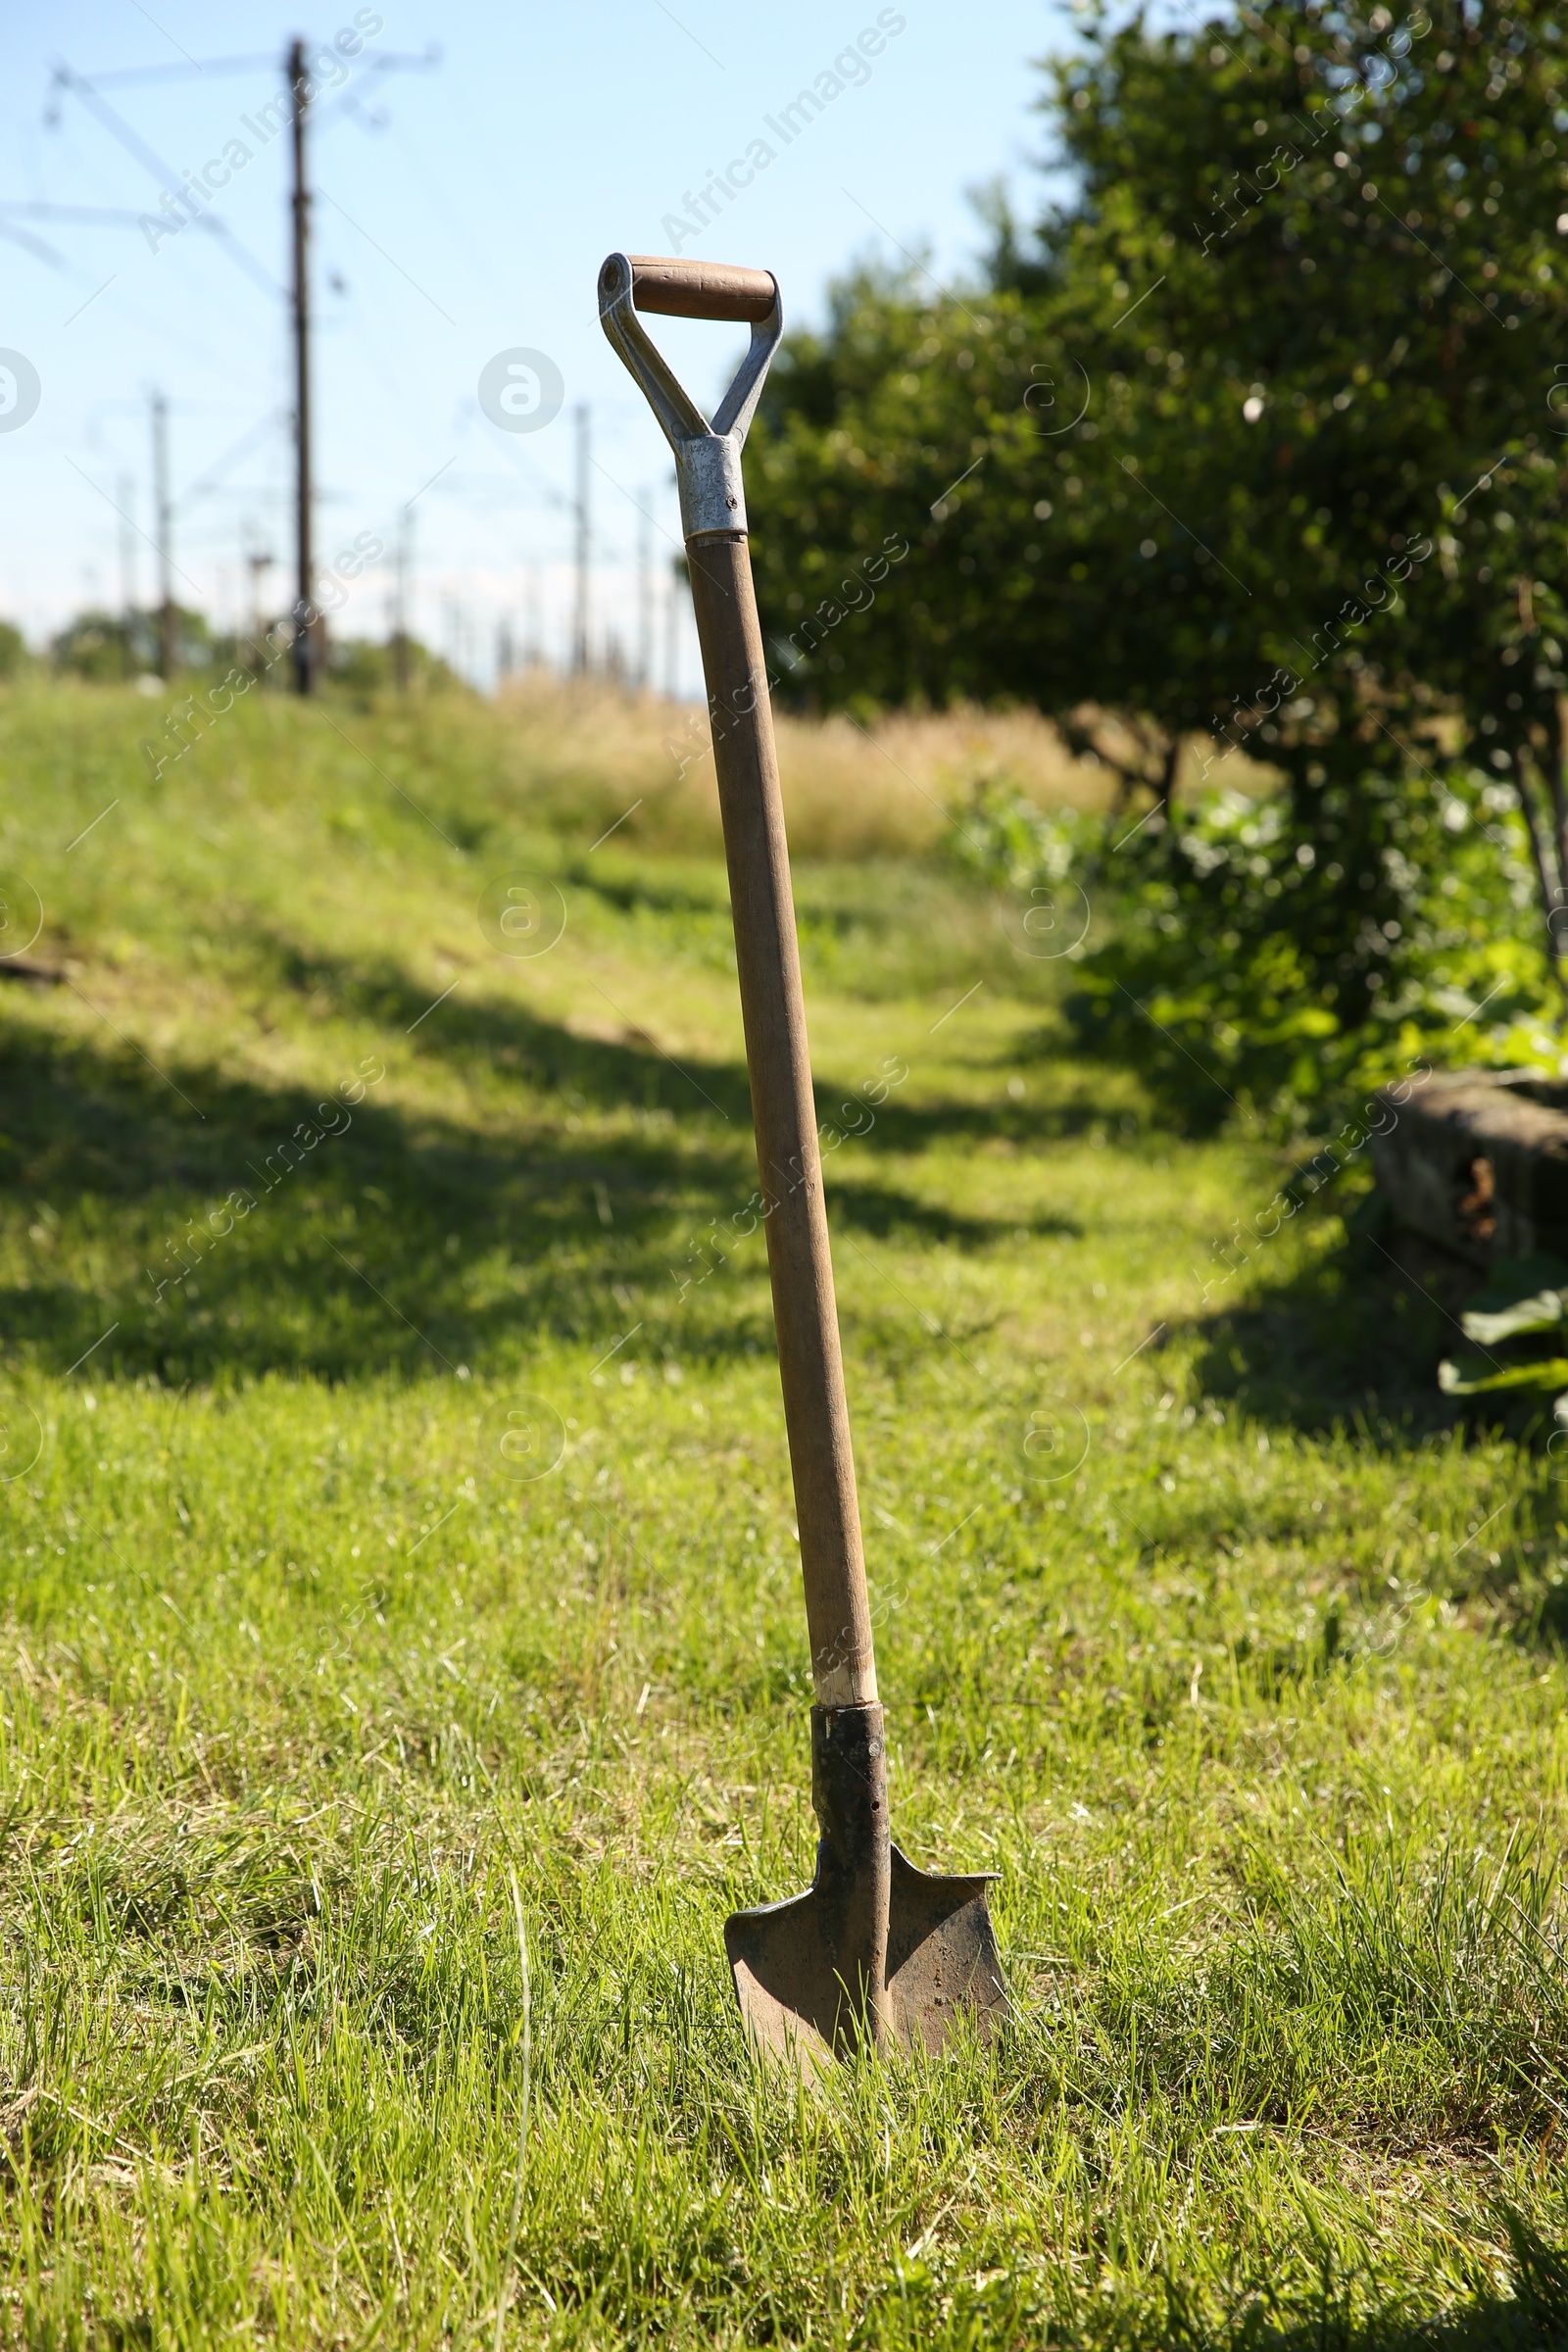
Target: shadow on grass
(1355, 1342)
(471, 1028)
(403, 1243)
(920, 928)
(1354, 1338)
(875, 1209)
(1532, 2317)
(406, 1242)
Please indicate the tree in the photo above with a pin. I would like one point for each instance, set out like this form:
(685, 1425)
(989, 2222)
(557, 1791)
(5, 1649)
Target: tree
(365, 669)
(112, 647)
(1252, 440)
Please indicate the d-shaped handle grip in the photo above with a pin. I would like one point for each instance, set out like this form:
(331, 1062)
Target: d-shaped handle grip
(700, 289)
(707, 456)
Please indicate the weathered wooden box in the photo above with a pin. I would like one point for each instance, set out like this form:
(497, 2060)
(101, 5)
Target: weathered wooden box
(1478, 1161)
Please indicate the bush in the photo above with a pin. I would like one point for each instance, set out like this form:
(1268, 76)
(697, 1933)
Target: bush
(1216, 966)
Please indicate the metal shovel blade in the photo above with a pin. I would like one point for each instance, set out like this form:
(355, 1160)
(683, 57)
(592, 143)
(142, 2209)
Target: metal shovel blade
(796, 1992)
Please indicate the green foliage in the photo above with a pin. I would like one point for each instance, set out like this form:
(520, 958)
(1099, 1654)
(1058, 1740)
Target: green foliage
(1481, 1380)
(1214, 964)
(1538, 1310)
(109, 649)
(1256, 441)
(1523, 1304)
(1011, 844)
(365, 669)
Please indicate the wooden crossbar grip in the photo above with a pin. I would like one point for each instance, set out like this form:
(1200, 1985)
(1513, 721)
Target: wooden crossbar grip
(699, 289)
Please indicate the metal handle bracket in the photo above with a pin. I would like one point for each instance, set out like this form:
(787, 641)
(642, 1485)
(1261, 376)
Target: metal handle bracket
(707, 456)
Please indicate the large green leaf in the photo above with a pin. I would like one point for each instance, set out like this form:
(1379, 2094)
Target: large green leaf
(1466, 1380)
(1542, 1312)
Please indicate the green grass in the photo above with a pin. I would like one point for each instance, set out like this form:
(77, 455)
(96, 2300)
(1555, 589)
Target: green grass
(1233, 1652)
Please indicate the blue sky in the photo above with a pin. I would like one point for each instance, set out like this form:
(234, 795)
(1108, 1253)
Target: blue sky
(469, 193)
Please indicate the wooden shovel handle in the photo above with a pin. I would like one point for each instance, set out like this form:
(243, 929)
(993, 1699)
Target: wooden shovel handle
(699, 289)
(784, 1111)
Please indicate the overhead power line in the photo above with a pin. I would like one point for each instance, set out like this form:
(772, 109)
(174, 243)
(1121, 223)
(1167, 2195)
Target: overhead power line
(242, 448)
(128, 76)
(35, 246)
(67, 78)
(98, 214)
(123, 75)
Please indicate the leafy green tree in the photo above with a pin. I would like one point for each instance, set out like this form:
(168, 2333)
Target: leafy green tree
(365, 669)
(96, 645)
(112, 647)
(1254, 441)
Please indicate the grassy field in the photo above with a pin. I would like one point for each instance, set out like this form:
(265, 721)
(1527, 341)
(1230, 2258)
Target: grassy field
(371, 1810)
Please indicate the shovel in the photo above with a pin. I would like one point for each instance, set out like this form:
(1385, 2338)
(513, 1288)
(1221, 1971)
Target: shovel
(875, 1952)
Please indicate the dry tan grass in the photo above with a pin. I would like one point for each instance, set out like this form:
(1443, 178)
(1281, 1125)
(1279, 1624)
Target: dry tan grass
(852, 791)
(848, 791)
(584, 750)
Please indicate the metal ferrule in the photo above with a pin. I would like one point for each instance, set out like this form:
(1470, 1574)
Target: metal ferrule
(707, 472)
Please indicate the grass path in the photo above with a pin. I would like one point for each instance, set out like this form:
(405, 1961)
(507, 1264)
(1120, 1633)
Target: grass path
(1197, 1622)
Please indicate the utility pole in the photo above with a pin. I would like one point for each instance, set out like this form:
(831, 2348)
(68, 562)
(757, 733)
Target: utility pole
(260, 563)
(671, 621)
(579, 634)
(310, 627)
(645, 595)
(405, 601)
(167, 646)
(534, 642)
(127, 553)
